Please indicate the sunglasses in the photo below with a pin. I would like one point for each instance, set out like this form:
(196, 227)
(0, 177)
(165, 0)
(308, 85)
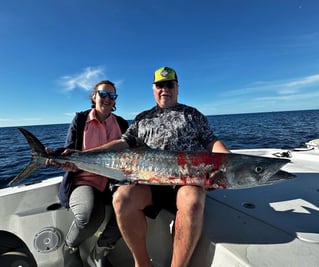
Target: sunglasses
(104, 94)
(169, 85)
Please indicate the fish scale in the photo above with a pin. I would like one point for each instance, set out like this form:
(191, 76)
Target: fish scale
(161, 167)
(156, 166)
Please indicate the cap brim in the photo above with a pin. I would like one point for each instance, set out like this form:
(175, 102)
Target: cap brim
(164, 80)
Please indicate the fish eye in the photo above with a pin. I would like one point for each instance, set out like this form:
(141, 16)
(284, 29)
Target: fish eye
(259, 169)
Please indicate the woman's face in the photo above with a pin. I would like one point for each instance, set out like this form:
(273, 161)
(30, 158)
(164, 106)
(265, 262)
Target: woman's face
(103, 102)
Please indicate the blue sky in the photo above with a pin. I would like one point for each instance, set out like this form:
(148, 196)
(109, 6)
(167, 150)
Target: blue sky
(231, 56)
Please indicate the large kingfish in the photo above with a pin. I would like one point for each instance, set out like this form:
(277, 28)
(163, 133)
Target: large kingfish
(161, 167)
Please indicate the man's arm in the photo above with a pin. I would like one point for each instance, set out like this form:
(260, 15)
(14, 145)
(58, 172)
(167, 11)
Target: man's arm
(217, 146)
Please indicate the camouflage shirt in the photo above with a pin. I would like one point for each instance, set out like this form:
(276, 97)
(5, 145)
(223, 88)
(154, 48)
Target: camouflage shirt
(177, 128)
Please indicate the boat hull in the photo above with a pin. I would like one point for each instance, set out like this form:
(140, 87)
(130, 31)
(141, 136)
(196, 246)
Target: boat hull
(273, 225)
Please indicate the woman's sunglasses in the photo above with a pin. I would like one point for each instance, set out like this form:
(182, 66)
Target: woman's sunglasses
(104, 94)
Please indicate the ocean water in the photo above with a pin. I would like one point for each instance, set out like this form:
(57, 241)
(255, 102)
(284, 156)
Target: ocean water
(291, 129)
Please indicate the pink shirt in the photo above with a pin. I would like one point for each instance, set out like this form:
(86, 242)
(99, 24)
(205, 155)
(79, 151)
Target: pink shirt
(97, 133)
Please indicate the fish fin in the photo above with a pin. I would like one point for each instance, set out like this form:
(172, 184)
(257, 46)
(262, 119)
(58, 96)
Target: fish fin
(38, 158)
(116, 174)
(34, 143)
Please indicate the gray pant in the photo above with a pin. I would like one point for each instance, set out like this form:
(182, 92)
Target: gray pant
(88, 207)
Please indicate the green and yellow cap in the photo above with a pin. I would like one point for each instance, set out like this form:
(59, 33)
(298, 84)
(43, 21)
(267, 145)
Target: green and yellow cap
(164, 74)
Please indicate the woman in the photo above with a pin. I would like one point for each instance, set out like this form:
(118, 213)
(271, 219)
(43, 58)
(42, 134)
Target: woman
(86, 194)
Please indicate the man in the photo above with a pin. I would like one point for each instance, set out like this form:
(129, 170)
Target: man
(171, 126)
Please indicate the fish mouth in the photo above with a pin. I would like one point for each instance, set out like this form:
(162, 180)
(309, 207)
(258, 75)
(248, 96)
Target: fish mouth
(280, 176)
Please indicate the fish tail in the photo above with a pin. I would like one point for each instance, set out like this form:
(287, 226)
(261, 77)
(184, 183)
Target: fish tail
(38, 158)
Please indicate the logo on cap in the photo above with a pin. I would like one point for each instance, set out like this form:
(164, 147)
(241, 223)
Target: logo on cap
(164, 73)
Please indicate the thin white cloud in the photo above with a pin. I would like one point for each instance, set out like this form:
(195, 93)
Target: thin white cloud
(21, 119)
(5, 119)
(277, 87)
(83, 80)
(301, 83)
(70, 114)
(290, 94)
(4, 122)
(291, 97)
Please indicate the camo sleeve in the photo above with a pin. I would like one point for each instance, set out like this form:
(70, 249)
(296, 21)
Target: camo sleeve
(130, 136)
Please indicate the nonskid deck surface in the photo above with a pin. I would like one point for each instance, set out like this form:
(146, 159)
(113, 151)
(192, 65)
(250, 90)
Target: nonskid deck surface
(272, 225)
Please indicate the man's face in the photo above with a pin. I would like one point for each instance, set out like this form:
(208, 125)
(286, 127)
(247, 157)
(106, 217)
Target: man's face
(165, 93)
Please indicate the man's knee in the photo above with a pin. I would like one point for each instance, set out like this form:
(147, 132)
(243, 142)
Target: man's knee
(191, 199)
(131, 197)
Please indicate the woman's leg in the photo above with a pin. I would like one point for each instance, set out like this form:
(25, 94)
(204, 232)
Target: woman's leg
(88, 208)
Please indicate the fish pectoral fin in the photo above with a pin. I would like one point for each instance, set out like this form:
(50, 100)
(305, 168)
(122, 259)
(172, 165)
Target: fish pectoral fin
(116, 175)
(104, 171)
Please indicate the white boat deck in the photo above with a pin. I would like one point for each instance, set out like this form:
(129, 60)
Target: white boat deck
(273, 225)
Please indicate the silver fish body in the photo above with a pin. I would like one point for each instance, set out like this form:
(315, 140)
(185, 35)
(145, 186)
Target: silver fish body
(161, 167)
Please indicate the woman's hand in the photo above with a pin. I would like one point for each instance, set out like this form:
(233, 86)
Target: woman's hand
(67, 166)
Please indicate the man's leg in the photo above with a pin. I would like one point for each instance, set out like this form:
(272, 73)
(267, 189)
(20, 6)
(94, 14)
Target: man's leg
(129, 202)
(188, 223)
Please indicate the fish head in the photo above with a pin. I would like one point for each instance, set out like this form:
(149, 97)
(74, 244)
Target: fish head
(244, 171)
